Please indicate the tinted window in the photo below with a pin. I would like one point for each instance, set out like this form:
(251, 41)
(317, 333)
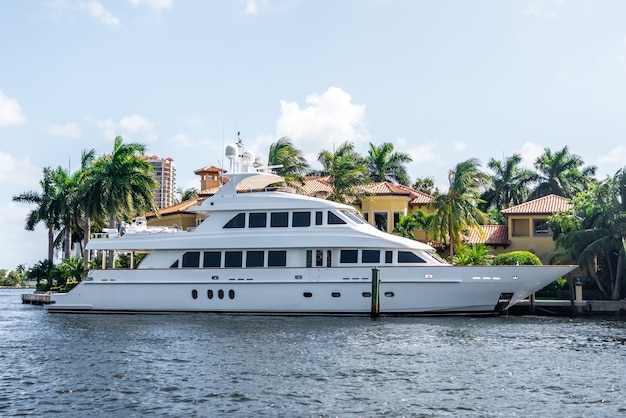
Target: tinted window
(279, 219)
(191, 259)
(277, 258)
(174, 265)
(301, 219)
(239, 221)
(408, 257)
(318, 218)
(349, 256)
(212, 259)
(334, 219)
(232, 259)
(257, 220)
(370, 256)
(255, 259)
(388, 257)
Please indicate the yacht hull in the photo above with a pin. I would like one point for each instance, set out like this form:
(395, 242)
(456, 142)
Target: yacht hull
(348, 291)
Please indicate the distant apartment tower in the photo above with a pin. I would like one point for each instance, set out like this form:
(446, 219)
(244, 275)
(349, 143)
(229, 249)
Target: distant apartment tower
(165, 175)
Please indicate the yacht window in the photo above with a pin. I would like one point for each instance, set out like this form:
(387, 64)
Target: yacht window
(319, 258)
(329, 258)
(388, 257)
(279, 219)
(174, 265)
(212, 259)
(353, 216)
(232, 258)
(348, 256)
(191, 259)
(238, 221)
(318, 218)
(309, 258)
(408, 257)
(370, 256)
(257, 220)
(300, 219)
(276, 258)
(255, 258)
(334, 219)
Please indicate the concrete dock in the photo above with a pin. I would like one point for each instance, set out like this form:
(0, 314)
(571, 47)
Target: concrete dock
(36, 298)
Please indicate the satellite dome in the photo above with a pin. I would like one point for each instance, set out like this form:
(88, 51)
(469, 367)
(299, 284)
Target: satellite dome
(231, 152)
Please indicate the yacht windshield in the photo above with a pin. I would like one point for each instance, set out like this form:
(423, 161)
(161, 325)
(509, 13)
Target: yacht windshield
(352, 216)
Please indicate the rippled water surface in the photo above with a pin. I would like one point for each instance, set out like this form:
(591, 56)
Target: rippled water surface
(223, 365)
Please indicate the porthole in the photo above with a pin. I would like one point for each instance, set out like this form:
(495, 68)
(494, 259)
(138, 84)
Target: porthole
(220, 294)
(307, 294)
(336, 294)
(231, 294)
(209, 294)
(194, 294)
(366, 294)
(389, 294)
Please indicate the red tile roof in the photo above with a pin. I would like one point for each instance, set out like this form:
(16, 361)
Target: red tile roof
(182, 207)
(544, 205)
(494, 235)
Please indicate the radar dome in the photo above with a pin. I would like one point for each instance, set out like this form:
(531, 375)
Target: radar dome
(231, 151)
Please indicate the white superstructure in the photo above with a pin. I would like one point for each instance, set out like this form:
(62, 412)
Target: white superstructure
(282, 253)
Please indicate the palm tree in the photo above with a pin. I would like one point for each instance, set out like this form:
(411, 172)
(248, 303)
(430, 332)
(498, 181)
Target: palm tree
(473, 255)
(120, 184)
(346, 169)
(50, 206)
(596, 238)
(426, 185)
(418, 220)
(457, 211)
(383, 164)
(561, 173)
(291, 165)
(510, 183)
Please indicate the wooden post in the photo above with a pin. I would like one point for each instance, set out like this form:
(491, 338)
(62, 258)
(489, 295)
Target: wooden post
(375, 311)
(532, 304)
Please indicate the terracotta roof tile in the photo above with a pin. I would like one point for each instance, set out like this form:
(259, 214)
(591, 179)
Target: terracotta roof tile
(179, 207)
(544, 205)
(494, 235)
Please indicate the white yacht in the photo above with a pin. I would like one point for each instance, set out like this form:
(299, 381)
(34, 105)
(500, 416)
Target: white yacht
(274, 252)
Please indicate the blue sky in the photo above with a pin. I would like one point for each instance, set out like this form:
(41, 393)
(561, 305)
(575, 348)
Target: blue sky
(442, 80)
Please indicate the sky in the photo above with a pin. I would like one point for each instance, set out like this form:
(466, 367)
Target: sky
(442, 80)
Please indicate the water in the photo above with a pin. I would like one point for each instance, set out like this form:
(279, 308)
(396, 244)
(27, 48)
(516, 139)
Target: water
(204, 365)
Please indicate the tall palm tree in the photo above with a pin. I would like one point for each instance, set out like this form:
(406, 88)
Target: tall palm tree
(562, 173)
(457, 210)
(292, 165)
(346, 169)
(120, 184)
(510, 183)
(50, 206)
(383, 164)
(598, 240)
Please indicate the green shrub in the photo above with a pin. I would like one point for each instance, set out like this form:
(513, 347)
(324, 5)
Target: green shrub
(522, 258)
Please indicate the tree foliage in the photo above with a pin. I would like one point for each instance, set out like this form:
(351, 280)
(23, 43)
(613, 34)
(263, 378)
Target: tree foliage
(345, 169)
(385, 164)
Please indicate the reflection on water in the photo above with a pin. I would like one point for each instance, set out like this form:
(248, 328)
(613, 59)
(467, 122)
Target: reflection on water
(218, 365)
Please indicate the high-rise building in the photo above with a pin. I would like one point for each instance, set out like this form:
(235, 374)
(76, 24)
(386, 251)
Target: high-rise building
(165, 175)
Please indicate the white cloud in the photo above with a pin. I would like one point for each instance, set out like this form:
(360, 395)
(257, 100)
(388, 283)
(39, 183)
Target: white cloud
(155, 5)
(182, 141)
(459, 146)
(18, 246)
(10, 111)
(98, 12)
(252, 7)
(327, 121)
(612, 161)
(544, 8)
(133, 128)
(68, 130)
(529, 152)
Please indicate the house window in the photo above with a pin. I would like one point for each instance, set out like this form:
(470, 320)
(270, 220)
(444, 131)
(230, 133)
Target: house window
(396, 218)
(380, 220)
(540, 227)
(520, 227)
